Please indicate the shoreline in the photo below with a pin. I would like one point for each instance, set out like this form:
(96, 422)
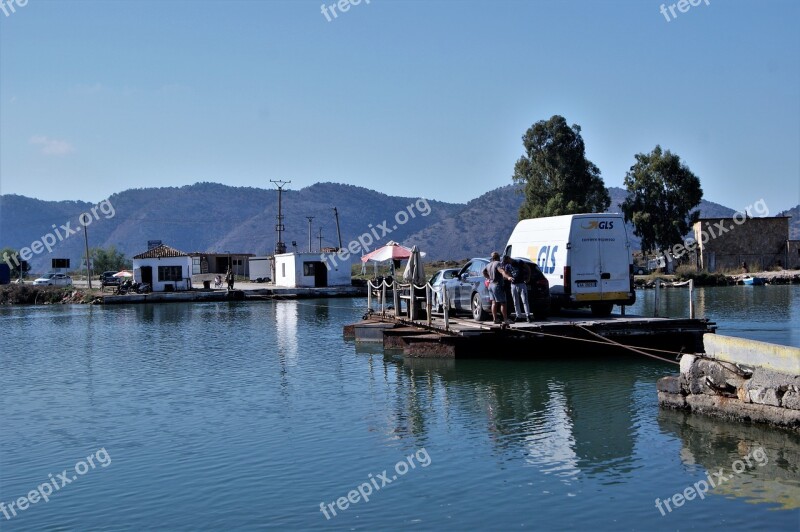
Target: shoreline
(26, 294)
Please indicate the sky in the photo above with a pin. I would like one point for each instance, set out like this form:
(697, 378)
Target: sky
(412, 98)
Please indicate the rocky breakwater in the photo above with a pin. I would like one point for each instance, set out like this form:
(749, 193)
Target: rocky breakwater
(738, 379)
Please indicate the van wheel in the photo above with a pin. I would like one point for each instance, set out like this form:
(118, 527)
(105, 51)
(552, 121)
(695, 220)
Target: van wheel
(602, 309)
(477, 310)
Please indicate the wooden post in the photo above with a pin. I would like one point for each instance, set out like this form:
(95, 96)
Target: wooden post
(428, 303)
(446, 306)
(383, 298)
(691, 299)
(411, 301)
(369, 295)
(396, 299)
(657, 298)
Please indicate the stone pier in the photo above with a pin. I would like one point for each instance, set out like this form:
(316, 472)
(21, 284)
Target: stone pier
(739, 379)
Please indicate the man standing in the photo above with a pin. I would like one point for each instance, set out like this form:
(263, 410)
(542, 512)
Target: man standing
(520, 274)
(497, 276)
(229, 278)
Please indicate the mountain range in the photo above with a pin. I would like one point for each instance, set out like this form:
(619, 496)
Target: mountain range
(211, 217)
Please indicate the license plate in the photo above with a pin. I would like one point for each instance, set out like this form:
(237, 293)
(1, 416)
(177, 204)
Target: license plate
(586, 284)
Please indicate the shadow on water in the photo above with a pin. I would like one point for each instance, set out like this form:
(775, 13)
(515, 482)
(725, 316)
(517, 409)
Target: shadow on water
(711, 445)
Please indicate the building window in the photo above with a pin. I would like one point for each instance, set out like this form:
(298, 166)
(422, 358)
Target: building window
(170, 273)
(308, 269)
(237, 262)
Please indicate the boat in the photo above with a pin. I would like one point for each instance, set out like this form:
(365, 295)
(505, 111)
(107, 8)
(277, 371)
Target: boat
(752, 281)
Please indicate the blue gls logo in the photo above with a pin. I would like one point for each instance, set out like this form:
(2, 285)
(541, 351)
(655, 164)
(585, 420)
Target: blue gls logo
(547, 259)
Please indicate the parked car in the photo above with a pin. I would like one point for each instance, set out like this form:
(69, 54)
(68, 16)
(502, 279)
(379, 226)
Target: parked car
(108, 279)
(53, 279)
(641, 270)
(467, 291)
(437, 281)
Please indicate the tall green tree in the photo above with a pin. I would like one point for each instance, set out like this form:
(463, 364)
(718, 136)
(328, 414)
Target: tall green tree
(662, 198)
(555, 175)
(108, 259)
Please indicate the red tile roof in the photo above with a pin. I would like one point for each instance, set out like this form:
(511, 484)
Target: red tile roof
(160, 252)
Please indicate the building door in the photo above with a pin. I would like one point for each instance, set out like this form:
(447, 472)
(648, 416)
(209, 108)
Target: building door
(320, 274)
(147, 275)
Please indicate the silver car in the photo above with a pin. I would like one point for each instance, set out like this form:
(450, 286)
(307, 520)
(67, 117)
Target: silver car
(53, 279)
(437, 282)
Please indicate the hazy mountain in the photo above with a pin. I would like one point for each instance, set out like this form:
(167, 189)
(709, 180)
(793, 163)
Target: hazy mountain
(219, 218)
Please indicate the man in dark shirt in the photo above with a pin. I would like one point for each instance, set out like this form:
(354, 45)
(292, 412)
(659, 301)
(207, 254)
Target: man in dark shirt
(520, 274)
(497, 276)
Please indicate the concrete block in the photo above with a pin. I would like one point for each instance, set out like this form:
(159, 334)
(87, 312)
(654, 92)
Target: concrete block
(670, 384)
(779, 358)
(686, 363)
(671, 400)
(764, 396)
(791, 399)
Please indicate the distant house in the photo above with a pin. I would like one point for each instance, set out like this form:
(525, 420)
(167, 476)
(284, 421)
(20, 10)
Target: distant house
(166, 269)
(727, 243)
(220, 262)
(294, 270)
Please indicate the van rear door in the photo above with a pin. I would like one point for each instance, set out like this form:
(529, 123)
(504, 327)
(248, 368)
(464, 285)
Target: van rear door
(615, 262)
(601, 259)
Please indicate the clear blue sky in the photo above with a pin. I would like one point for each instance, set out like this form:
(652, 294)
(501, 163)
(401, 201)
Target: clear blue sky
(417, 98)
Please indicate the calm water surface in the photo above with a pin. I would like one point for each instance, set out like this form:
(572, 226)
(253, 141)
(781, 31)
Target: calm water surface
(247, 416)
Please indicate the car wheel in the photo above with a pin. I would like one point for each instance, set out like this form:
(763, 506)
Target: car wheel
(477, 310)
(601, 309)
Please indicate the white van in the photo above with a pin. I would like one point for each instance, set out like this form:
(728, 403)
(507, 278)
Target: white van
(586, 258)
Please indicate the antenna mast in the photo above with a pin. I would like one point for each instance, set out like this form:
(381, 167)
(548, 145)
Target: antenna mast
(280, 247)
(309, 218)
(338, 231)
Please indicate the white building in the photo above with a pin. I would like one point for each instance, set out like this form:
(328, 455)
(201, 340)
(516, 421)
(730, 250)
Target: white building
(295, 270)
(166, 269)
(260, 268)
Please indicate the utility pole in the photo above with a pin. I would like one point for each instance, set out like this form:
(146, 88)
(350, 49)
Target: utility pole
(338, 231)
(309, 218)
(280, 247)
(320, 239)
(86, 242)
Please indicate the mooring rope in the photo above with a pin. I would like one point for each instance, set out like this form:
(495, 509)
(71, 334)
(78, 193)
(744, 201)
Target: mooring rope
(631, 348)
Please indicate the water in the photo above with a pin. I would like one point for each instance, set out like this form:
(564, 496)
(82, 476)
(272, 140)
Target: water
(765, 313)
(247, 416)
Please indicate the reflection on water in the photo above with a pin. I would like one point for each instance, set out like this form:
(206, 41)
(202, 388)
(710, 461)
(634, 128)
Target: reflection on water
(286, 331)
(765, 313)
(711, 446)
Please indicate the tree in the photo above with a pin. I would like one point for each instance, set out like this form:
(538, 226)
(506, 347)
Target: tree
(108, 259)
(555, 174)
(662, 196)
(10, 256)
